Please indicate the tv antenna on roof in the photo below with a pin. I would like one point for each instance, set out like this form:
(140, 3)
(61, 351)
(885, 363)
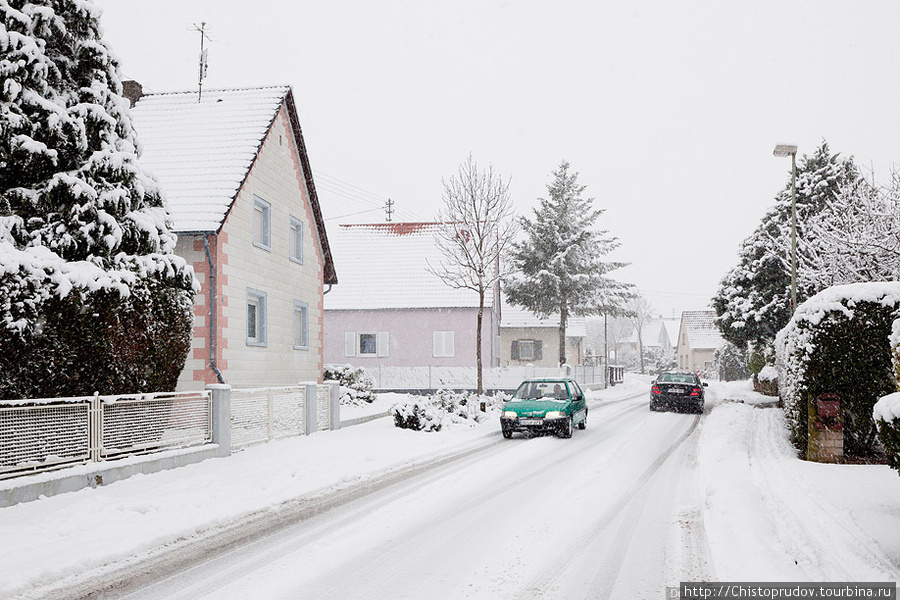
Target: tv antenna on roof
(203, 56)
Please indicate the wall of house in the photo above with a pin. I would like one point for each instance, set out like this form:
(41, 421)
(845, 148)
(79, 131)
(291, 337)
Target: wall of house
(275, 177)
(192, 376)
(549, 337)
(410, 335)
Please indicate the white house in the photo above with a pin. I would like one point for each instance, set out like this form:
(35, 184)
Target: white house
(234, 168)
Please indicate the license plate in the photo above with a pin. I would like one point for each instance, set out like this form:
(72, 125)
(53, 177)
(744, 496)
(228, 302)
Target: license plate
(677, 390)
(530, 421)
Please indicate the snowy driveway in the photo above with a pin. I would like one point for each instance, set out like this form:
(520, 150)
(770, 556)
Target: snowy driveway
(634, 503)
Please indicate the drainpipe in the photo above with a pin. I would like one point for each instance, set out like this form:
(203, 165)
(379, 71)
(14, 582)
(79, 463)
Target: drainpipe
(328, 290)
(212, 311)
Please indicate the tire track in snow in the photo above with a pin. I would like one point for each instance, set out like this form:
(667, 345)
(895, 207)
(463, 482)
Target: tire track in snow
(163, 572)
(546, 582)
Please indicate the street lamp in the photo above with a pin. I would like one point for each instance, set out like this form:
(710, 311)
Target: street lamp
(788, 150)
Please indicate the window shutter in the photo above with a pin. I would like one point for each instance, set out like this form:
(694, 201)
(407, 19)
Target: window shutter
(436, 345)
(450, 343)
(350, 343)
(538, 354)
(382, 343)
(514, 351)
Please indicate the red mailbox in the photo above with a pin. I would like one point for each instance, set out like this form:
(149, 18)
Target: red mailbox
(828, 412)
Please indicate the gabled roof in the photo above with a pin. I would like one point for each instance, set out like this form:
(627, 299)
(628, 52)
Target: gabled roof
(701, 329)
(201, 152)
(512, 316)
(385, 266)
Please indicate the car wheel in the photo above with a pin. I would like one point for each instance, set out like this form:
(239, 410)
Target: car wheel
(583, 423)
(507, 432)
(567, 429)
(653, 407)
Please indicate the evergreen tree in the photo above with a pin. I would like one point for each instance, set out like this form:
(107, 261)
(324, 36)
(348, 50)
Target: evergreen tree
(558, 269)
(753, 300)
(92, 297)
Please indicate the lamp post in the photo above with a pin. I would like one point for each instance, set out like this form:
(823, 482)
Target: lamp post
(789, 150)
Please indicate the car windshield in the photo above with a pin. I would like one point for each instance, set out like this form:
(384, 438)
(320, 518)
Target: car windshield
(676, 378)
(551, 390)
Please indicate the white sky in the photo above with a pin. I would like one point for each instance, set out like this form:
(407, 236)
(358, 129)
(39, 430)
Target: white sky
(668, 109)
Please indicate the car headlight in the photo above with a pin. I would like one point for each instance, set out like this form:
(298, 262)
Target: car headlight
(554, 414)
(510, 414)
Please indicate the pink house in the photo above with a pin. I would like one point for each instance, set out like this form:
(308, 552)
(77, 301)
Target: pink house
(235, 172)
(390, 311)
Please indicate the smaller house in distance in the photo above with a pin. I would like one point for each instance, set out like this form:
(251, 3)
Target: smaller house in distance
(390, 311)
(526, 339)
(698, 340)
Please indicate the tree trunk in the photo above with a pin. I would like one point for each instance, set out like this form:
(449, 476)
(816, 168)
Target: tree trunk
(479, 390)
(641, 350)
(563, 317)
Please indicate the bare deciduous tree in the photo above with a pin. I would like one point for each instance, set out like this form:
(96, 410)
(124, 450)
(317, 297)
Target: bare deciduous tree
(477, 226)
(639, 311)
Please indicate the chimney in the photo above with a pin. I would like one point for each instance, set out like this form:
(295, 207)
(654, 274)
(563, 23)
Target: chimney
(132, 90)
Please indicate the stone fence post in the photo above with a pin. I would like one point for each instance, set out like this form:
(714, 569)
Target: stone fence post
(221, 417)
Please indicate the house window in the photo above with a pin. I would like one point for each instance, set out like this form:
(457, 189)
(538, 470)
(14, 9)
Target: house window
(368, 344)
(301, 325)
(256, 318)
(365, 344)
(526, 349)
(262, 223)
(443, 344)
(296, 240)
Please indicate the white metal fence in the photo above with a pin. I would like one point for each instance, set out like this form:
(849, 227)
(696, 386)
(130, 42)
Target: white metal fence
(38, 435)
(264, 414)
(503, 378)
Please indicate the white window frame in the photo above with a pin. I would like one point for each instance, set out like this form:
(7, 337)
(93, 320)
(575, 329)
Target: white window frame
(262, 229)
(444, 344)
(359, 343)
(301, 325)
(526, 344)
(256, 301)
(352, 344)
(296, 240)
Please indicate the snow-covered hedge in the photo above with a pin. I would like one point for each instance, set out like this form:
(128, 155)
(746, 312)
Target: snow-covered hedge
(92, 296)
(838, 341)
(432, 413)
(356, 386)
(887, 418)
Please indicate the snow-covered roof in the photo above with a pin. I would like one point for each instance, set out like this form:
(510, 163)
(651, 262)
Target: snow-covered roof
(701, 329)
(517, 316)
(385, 266)
(202, 151)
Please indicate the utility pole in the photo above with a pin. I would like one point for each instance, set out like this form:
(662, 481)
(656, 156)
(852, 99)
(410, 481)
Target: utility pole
(388, 208)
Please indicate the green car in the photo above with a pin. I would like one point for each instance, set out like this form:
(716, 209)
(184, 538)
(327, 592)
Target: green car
(545, 406)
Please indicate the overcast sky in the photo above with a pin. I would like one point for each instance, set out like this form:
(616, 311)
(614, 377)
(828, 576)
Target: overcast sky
(668, 109)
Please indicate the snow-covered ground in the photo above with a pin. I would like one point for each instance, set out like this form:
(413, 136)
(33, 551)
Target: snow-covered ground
(746, 508)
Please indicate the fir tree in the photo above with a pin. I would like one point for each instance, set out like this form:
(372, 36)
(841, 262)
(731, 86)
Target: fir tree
(753, 300)
(558, 269)
(92, 297)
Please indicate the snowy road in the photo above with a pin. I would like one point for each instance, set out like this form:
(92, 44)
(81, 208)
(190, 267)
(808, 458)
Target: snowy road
(603, 515)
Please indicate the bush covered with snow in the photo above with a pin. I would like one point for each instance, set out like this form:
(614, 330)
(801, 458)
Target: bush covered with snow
(887, 418)
(432, 413)
(92, 296)
(356, 386)
(838, 341)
